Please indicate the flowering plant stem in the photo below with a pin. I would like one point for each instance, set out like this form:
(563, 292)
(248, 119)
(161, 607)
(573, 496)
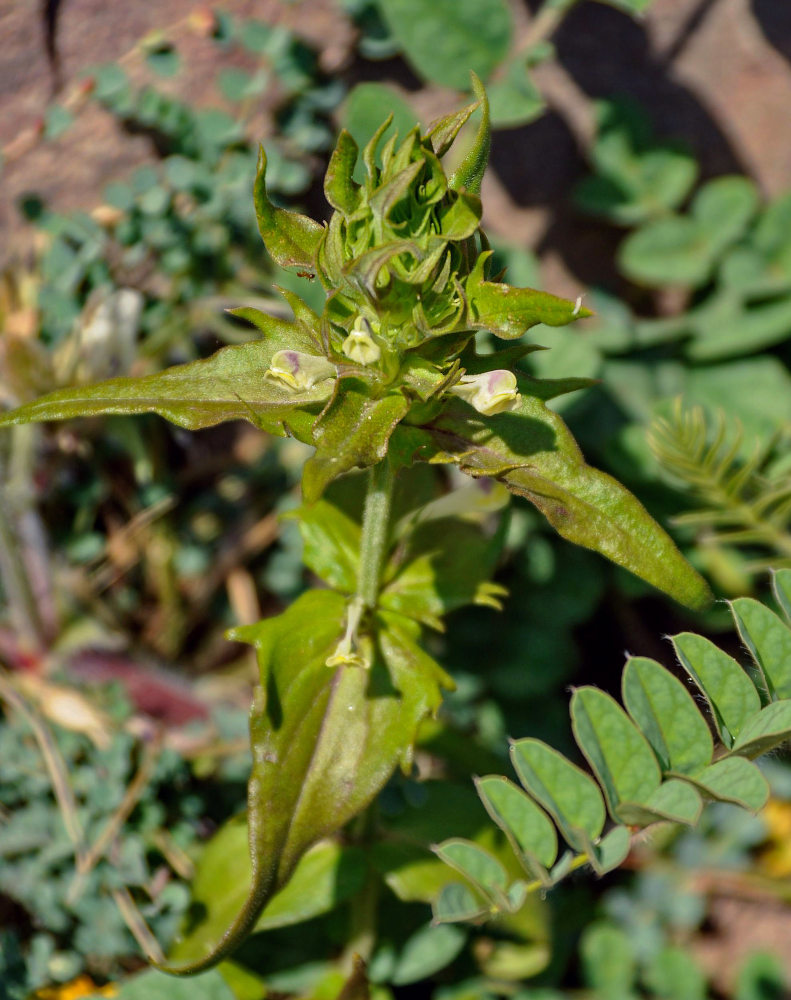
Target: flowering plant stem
(376, 525)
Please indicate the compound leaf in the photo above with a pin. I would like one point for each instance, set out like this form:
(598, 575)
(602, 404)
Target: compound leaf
(768, 638)
(733, 779)
(525, 824)
(667, 716)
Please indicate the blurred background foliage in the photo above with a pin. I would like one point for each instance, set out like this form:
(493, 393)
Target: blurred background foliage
(127, 547)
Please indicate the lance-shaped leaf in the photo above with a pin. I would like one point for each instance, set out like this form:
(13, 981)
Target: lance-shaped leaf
(768, 638)
(509, 312)
(469, 174)
(625, 765)
(667, 716)
(340, 189)
(733, 779)
(569, 795)
(331, 544)
(324, 740)
(230, 385)
(781, 584)
(768, 729)
(527, 827)
(730, 693)
(446, 564)
(352, 431)
(532, 451)
(325, 876)
(443, 131)
(291, 239)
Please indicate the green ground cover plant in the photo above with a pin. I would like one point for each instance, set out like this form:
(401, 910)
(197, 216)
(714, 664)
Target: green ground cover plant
(386, 375)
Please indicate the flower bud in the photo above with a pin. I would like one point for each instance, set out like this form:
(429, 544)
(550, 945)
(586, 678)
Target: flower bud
(360, 345)
(300, 371)
(490, 393)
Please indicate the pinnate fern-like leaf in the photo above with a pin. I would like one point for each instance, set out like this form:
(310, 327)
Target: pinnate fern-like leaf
(654, 759)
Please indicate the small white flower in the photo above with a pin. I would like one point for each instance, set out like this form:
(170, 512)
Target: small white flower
(300, 371)
(490, 392)
(360, 345)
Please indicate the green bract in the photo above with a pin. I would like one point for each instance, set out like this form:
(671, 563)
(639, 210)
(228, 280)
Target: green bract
(388, 375)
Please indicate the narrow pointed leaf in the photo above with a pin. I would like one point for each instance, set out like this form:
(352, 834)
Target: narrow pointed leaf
(733, 779)
(569, 795)
(291, 239)
(729, 691)
(768, 638)
(469, 174)
(230, 385)
(352, 431)
(444, 131)
(667, 716)
(781, 584)
(331, 542)
(768, 729)
(524, 823)
(339, 187)
(457, 902)
(324, 740)
(611, 851)
(532, 451)
(508, 311)
(620, 756)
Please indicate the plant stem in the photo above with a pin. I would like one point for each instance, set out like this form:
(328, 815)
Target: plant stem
(376, 525)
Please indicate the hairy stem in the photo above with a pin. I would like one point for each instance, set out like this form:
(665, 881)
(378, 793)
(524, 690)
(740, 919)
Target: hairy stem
(376, 524)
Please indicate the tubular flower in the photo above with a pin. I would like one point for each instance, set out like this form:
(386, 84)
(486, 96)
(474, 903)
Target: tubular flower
(490, 393)
(360, 345)
(300, 371)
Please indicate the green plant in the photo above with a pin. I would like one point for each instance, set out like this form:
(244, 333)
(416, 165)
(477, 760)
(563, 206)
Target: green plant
(386, 377)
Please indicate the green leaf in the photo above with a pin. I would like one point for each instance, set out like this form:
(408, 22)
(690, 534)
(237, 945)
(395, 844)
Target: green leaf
(515, 100)
(673, 974)
(509, 312)
(155, 985)
(324, 877)
(527, 827)
(339, 187)
(781, 585)
(57, 120)
(733, 779)
(353, 430)
(723, 208)
(729, 691)
(324, 740)
(291, 239)
(611, 851)
(230, 385)
(457, 902)
(667, 716)
(468, 176)
(668, 251)
(624, 763)
(770, 728)
(443, 565)
(569, 795)
(762, 977)
(427, 951)
(332, 544)
(608, 961)
(532, 451)
(444, 131)
(768, 638)
(476, 864)
(366, 108)
(446, 39)
(163, 60)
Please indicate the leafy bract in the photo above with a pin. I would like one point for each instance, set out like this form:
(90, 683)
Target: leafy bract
(324, 740)
(532, 451)
(353, 430)
(291, 239)
(230, 385)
